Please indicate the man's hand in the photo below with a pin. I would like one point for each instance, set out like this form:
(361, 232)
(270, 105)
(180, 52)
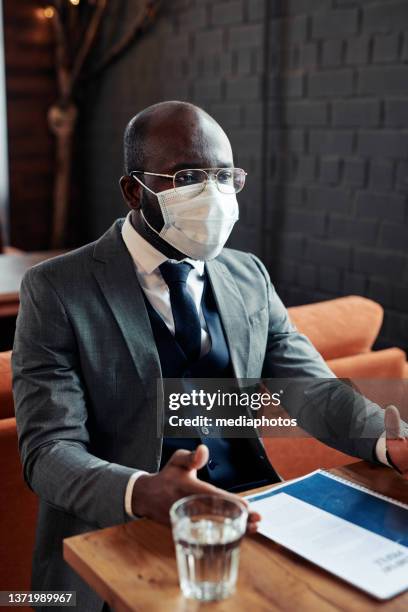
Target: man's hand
(153, 494)
(397, 444)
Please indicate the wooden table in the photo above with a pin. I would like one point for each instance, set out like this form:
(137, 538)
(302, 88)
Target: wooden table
(12, 270)
(133, 567)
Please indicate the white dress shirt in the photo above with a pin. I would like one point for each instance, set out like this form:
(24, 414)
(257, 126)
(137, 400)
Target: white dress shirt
(147, 260)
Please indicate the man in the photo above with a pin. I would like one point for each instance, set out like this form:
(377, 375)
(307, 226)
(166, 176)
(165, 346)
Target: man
(156, 296)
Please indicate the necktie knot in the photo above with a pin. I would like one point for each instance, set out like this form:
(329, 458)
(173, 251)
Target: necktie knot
(175, 273)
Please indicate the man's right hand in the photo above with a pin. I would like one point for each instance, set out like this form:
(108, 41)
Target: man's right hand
(154, 494)
(397, 443)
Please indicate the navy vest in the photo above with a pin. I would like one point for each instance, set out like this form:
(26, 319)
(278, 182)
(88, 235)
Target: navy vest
(235, 464)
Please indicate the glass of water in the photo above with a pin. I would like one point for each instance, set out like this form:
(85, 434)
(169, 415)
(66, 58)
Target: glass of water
(207, 532)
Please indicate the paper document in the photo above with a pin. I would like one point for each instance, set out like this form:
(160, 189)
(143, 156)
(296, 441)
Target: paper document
(357, 535)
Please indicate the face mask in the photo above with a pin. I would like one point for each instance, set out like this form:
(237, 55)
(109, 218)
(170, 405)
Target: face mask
(198, 227)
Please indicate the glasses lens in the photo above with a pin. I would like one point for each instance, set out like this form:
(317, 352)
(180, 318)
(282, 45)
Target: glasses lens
(230, 180)
(190, 178)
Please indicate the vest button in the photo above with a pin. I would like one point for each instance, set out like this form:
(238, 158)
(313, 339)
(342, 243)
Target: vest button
(205, 431)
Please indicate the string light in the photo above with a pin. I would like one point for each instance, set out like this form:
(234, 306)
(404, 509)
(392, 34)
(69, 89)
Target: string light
(48, 12)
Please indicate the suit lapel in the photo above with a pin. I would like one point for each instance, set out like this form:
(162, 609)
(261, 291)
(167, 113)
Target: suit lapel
(116, 276)
(233, 315)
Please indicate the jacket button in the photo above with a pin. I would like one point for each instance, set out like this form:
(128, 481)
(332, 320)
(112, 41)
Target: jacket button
(205, 431)
(212, 464)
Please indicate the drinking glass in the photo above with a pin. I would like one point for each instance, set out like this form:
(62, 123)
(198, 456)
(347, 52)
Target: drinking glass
(207, 532)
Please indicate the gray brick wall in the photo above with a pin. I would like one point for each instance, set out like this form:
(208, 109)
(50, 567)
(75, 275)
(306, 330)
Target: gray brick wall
(351, 172)
(315, 103)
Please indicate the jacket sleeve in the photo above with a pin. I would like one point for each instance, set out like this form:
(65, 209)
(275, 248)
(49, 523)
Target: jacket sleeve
(51, 413)
(328, 408)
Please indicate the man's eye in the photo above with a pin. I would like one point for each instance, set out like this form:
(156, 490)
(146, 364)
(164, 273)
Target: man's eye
(187, 178)
(225, 176)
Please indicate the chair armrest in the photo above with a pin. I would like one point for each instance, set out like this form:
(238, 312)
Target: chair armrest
(341, 327)
(388, 363)
(6, 394)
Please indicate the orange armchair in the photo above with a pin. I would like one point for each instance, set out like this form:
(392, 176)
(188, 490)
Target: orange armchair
(18, 511)
(343, 331)
(17, 515)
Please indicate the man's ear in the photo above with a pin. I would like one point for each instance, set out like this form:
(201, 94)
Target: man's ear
(131, 192)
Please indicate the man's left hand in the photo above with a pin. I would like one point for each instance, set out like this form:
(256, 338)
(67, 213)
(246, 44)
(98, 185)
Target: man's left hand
(397, 444)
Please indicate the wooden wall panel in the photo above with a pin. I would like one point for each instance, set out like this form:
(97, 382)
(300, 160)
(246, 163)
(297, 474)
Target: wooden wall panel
(30, 85)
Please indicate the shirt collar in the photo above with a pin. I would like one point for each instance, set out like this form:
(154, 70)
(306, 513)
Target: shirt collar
(145, 256)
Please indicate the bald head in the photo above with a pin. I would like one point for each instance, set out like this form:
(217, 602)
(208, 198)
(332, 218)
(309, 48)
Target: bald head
(174, 133)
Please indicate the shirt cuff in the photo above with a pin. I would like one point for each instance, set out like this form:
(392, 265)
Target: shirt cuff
(129, 491)
(381, 449)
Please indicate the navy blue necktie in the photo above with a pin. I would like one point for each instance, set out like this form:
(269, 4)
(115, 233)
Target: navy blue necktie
(185, 315)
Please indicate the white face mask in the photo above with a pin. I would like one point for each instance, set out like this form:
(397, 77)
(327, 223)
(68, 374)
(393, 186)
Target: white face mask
(198, 227)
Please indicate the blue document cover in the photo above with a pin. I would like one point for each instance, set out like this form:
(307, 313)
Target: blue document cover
(357, 535)
(355, 505)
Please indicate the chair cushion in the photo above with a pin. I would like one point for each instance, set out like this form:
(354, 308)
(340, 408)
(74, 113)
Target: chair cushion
(388, 363)
(6, 396)
(341, 327)
(18, 514)
(293, 457)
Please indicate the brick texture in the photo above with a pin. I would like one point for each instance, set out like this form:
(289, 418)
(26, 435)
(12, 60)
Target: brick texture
(317, 115)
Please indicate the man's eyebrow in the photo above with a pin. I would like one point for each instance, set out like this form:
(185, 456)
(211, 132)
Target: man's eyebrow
(193, 165)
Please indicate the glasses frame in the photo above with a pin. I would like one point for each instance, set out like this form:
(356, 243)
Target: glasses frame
(215, 172)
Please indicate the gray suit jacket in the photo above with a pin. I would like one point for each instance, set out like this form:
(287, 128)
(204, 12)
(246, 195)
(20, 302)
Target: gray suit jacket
(85, 367)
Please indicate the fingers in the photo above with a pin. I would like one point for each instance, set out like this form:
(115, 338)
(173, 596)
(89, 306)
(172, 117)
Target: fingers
(201, 456)
(197, 486)
(254, 517)
(397, 445)
(205, 488)
(392, 423)
(190, 460)
(253, 522)
(195, 460)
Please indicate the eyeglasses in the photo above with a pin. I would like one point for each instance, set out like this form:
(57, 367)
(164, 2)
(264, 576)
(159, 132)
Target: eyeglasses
(228, 180)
